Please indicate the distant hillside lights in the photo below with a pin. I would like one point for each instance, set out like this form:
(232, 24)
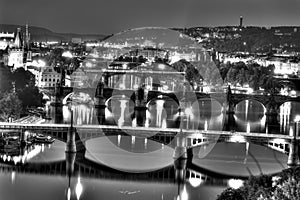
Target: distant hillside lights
(283, 66)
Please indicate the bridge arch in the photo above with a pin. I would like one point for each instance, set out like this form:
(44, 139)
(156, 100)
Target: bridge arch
(66, 98)
(119, 110)
(251, 103)
(295, 102)
(162, 111)
(214, 105)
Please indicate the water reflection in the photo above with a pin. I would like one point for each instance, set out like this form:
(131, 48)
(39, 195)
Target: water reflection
(112, 172)
(249, 116)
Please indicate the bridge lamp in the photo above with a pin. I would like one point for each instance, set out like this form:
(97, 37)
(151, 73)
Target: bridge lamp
(235, 183)
(297, 118)
(195, 182)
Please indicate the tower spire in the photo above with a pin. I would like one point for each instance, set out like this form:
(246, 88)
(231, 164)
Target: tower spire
(18, 41)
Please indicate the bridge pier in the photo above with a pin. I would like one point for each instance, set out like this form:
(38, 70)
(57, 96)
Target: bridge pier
(229, 122)
(180, 170)
(100, 103)
(70, 162)
(58, 114)
(22, 137)
(293, 158)
(271, 115)
(140, 106)
(229, 108)
(180, 151)
(58, 90)
(71, 142)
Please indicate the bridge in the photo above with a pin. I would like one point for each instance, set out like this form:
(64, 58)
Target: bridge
(179, 139)
(227, 100)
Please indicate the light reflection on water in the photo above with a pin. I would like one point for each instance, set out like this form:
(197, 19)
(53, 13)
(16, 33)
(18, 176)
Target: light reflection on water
(245, 157)
(110, 165)
(249, 115)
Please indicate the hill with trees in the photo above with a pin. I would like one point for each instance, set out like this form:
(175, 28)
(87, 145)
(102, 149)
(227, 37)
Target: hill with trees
(42, 34)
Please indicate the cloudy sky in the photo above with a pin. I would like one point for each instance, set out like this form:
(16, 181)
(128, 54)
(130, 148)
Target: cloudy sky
(111, 16)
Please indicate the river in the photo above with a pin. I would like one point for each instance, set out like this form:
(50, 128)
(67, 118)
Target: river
(127, 167)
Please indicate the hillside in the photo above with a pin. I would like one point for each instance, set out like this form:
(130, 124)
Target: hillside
(43, 34)
(252, 39)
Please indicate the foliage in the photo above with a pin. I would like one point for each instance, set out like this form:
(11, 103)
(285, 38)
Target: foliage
(23, 79)
(10, 107)
(5, 79)
(26, 91)
(30, 97)
(192, 74)
(283, 186)
(231, 194)
(254, 75)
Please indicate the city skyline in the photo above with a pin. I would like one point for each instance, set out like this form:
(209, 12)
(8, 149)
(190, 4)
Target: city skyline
(107, 17)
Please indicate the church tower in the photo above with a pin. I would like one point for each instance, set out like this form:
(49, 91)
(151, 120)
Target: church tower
(16, 52)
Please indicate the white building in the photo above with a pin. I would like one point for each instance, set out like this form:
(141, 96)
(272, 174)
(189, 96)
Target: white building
(49, 77)
(6, 40)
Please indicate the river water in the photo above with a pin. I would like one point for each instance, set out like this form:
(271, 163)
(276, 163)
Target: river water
(127, 167)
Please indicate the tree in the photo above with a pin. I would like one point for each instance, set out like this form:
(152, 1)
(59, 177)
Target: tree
(192, 74)
(10, 107)
(5, 79)
(26, 90)
(30, 97)
(23, 79)
(231, 194)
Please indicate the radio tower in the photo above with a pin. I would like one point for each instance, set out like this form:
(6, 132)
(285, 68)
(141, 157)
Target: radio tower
(241, 21)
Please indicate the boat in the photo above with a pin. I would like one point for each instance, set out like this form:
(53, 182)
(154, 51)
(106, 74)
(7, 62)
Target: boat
(40, 138)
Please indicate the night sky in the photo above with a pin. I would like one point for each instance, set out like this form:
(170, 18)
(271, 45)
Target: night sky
(111, 16)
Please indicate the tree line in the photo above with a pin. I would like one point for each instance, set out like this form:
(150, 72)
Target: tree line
(17, 92)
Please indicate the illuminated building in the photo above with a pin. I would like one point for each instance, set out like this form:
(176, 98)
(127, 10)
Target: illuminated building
(6, 40)
(49, 77)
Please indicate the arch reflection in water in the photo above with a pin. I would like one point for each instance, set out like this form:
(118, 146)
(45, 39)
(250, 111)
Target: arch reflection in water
(288, 112)
(237, 159)
(129, 154)
(91, 179)
(250, 116)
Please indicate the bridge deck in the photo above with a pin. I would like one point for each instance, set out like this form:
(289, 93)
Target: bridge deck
(137, 130)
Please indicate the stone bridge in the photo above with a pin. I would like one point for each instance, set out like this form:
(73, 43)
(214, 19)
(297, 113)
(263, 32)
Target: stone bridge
(179, 139)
